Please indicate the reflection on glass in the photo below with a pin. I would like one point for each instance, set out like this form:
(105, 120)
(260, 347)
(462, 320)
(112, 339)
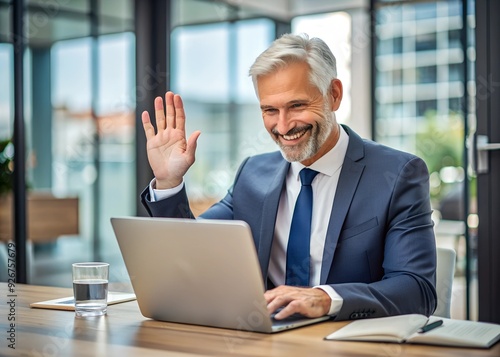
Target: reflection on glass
(335, 29)
(423, 85)
(6, 91)
(210, 70)
(422, 111)
(74, 131)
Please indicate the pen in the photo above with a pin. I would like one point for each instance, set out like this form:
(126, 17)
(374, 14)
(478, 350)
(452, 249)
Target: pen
(431, 326)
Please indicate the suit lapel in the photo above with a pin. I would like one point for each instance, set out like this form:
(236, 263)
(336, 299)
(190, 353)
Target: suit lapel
(346, 188)
(269, 213)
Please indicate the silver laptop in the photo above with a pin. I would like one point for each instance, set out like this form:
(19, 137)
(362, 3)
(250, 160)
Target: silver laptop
(202, 272)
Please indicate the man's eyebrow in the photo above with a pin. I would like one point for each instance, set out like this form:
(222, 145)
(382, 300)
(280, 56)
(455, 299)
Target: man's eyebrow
(295, 101)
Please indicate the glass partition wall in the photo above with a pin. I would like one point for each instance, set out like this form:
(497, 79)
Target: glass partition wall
(218, 94)
(423, 103)
(79, 116)
(219, 99)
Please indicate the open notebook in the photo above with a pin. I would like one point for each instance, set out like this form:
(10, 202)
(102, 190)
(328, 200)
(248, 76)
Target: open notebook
(408, 329)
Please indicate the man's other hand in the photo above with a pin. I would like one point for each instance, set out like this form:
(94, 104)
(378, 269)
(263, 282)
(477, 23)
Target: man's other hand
(310, 302)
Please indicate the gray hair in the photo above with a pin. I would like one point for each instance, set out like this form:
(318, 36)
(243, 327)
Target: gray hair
(297, 48)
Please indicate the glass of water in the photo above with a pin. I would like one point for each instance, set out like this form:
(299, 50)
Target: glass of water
(90, 288)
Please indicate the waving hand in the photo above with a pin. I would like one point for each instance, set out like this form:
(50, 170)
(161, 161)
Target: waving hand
(170, 155)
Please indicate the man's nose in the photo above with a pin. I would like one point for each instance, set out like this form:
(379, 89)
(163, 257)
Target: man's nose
(284, 124)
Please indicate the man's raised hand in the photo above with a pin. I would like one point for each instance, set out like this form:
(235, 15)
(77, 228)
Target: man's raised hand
(170, 155)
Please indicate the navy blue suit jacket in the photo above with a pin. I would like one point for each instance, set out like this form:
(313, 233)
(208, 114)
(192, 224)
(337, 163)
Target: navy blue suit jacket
(380, 252)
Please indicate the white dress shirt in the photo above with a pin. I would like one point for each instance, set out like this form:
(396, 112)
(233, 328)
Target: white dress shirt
(324, 187)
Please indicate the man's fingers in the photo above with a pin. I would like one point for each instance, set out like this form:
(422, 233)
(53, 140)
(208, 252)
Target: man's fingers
(191, 143)
(170, 109)
(306, 301)
(294, 307)
(159, 114)
(180, 115)
(275, 300)
(171, 114)
(273, 306)
(149, 130)
(291, 305)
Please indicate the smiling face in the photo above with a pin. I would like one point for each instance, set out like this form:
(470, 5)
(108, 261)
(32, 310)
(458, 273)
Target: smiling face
(295, 113)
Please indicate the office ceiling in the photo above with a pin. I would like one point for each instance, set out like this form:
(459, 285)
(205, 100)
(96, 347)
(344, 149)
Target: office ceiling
(50, 21)
(188, 12)
(287, 9)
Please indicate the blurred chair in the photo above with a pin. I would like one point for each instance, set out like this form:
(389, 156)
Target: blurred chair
(445, 272)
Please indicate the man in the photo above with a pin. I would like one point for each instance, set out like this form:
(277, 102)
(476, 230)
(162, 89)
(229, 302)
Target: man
(371, 250)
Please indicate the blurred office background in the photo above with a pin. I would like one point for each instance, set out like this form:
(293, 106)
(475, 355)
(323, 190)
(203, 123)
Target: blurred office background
(90, 67)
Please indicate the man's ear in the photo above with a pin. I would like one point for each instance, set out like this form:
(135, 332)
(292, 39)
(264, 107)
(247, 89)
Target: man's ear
(336, 91)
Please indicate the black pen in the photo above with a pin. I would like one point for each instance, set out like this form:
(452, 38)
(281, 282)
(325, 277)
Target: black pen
(431, 326)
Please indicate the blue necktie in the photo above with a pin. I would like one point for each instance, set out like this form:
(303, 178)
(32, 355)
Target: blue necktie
(298, 250)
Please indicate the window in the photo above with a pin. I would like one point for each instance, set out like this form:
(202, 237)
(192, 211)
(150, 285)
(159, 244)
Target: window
(425, 42)
(219, 98)
(427, 74)
(455, 72)
(74, 129)
(397, 44)
(425, 107)
(334, 29)
(423, 113)
(425, 11)
(454, 39)
(455, 105)
(6, 89)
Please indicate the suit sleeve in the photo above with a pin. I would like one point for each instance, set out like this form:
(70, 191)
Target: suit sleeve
(408, 284)
(177, 206)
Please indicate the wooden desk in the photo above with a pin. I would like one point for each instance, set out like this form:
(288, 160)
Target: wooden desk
(125, 332)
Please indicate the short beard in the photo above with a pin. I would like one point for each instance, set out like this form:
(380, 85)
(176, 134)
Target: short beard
(319, 135)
